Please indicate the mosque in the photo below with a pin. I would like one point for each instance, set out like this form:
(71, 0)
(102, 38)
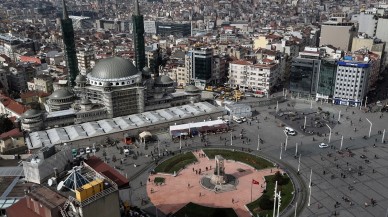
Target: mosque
(114, 88)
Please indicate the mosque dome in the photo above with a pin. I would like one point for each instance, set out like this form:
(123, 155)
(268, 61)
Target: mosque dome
(113, 68)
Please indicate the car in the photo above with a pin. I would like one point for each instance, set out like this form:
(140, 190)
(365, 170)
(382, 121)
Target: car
(244, 119)
(323, 145)
(88, 150)
(81, 151)
(363, 156)
(126, 151)
(289, 131)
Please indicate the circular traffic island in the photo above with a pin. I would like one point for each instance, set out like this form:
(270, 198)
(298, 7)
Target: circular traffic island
(216, 180)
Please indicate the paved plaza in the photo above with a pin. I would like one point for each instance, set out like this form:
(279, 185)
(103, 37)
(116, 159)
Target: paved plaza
(360, 182)
(186, 187)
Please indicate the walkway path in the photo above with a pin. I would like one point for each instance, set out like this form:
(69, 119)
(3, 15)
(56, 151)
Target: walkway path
(185, 187)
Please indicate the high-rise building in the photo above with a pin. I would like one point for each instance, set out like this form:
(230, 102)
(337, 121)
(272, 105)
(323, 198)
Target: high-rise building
(138, 37)
(338, 32)
(69, 44)
(326, 79)
(199, 63)
(351, 84)
(305, 71)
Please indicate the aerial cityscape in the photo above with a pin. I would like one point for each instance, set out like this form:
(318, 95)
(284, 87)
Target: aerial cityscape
(204, 108)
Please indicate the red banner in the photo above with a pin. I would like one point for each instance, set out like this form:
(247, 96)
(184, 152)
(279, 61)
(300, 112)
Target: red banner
(255, 182)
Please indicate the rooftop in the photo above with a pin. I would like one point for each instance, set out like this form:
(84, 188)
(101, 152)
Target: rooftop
(103, 127)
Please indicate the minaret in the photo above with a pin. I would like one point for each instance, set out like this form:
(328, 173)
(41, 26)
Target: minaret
(69, 44)
(138, 37)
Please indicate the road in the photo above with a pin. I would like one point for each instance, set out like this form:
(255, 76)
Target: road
(367, 182)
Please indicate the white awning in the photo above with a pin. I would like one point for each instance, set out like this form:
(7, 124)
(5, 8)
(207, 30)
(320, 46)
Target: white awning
(145, 134)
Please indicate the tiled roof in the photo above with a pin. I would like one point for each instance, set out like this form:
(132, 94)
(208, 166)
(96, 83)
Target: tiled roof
(20, 209)
(12, 133)
(13, 105)
(101, 167)
(241, 62)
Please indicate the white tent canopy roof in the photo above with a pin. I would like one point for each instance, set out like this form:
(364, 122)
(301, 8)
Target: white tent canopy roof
(145, 134)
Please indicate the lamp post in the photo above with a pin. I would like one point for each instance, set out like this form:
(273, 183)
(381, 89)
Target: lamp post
(180, 142)
(281, 150)
(296, 207)
(305, 120)
(342, 141)
(309, 203)
(258, 142)
(277, 106)
(159, 148)
(329, 133)
(285, 146)
(366, 100)
(382, 139)
(339, 116)
(296, 149)
(231, 139)
(299, 163)
(370, 127)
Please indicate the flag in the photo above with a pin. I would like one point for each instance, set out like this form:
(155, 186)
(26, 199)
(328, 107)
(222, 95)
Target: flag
(255, 182)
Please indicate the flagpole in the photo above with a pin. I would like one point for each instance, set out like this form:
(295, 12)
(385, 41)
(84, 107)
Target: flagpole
(274, 200)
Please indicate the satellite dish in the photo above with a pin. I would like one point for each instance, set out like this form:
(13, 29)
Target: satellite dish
(60, 186)
(50, 182)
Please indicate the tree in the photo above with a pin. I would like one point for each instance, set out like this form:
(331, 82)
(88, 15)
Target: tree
(5, 124)
(265, 202)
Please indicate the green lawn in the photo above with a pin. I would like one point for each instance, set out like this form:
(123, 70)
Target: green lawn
(176, 163)
(195, 210)
(254, 161)
(286, 192)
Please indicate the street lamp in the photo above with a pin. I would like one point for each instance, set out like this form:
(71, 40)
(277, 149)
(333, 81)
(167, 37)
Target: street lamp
(366, 100)
(281, 150)
(159, 148)
(342, 141)
(231, 139)
(339, 116)
(258, 142)
(285, 146)
(329, 133)
(370, 128)
(305, 120)
(296, 149)
(309, 203)
(382, 139)
(180, 142)
(299, 163)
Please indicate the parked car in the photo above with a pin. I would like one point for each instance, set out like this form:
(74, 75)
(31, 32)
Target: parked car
(88, 150)
(81, 151)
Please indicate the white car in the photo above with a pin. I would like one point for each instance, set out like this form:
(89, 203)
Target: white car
(126, 151)
(289, 131)
(81, 151)
(323, 145)
(88, 150)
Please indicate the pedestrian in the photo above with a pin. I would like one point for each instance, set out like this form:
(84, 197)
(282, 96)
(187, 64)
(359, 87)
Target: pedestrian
(193, 169)
(149, 179)
(232, 200)
(141, 183)
(199, 194)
